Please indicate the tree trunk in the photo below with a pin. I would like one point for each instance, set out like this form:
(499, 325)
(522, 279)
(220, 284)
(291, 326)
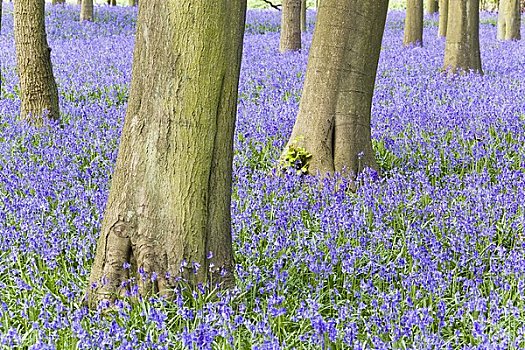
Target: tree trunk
(290, 26)
(168, 210)
(54, 2)
(443, 18)
(304, 7)
(1, 3)
(414, 23)
(113, 2)
(333, 124)
(38, 90)
(509, 20)
(432, 6)
(86, 10)
(462, 44)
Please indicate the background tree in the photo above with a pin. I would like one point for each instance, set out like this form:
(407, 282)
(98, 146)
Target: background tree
(38, 90)
(443, 18)
(462, 44)
(304, 7)
(54, 2)
(333, 123)
(432, 6)
(290, 26)
(509, 20)
(414, 23)
(169, 205)
(86, 10)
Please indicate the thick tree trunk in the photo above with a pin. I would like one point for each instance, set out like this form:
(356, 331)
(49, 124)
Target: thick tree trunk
(168, 209)
(86, 10)
(333, 124)
(443, 18)
(303, 15)
(432, 6)
(462, 44)
(38, 90)
(509, 20)
(414, 23)
(290, 26)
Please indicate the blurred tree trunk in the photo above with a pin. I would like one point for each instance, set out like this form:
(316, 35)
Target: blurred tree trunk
(462, 44)
(432, 6)
(86, 10)
(290, 26)
(1, 3)
(54, 2)
(38, 90)
(303, 15)
(509, 20)
(168, 211)
(333, 123)
(414, 23)
(443, 18)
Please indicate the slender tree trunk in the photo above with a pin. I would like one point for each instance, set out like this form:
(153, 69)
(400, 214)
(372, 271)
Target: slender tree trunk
(1, 3)
(333, 124)
(432, 6)
(509, 20)
(414, 23)
(113, 2)
(168, 209)
(54, 2)
(38, 90)
(462, 44)
(443, 18)
(86, 10)
(290, 26)
(303, 15)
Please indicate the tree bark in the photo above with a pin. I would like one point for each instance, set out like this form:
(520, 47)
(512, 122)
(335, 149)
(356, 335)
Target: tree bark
(509, 20)
(414, 23)
(38, 90)
(168, 210)
(432, 6)
(462, 44)
(290, 26)
(304, 7)
(443, 18)
(86, 10)
(333, 123)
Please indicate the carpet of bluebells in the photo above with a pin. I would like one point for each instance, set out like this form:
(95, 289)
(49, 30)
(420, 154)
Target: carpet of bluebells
(432, 256)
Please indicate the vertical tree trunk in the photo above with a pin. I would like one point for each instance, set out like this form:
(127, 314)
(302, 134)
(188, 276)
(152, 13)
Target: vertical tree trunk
(86, 10)
(290, 26)
(113, 2)
(414, 23)
(462, 44)
(303, 15)
(432, 6)
(38, 90)
(509, 20)
(54, 2)
(443, 18)
(169, 204)
(334, 114)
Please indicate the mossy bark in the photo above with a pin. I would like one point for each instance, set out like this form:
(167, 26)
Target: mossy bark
(509, 20)
(86, 10)
(443, 18)
(168, 210)
(38, 90)
(414, 23)
(462, 44)
(290, 26)
(333, 123)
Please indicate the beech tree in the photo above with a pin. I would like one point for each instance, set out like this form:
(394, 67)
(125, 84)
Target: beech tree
(443, 18)
(38, 90)
(432, 6)
(290, 26)
(86, 10)
(333, 124)
(509, 20)
(168, 211)
(414, 23)
(462, 44)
